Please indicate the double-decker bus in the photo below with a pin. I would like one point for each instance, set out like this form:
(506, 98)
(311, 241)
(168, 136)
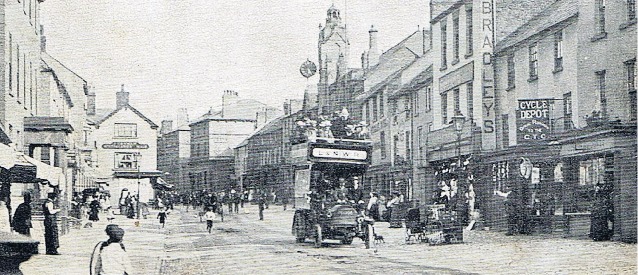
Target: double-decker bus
(325, 169)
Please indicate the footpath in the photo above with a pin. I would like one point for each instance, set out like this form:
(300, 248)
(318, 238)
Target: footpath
(144, 244)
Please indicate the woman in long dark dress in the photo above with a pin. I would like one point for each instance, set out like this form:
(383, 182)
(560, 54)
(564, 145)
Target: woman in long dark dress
(22, 217)
(95, 210)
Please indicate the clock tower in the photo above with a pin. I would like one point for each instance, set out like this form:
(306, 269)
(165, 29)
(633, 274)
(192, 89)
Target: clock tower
(333, 54)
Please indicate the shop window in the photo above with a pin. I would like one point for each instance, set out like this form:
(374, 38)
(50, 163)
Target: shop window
(126, 161)
(374, 108)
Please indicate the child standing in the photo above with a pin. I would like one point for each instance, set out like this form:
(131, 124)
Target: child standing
(209, 216)
(110, 215)
(162, 217)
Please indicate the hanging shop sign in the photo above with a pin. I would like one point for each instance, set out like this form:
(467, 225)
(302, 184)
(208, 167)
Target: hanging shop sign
(125, 145)
(532, 121)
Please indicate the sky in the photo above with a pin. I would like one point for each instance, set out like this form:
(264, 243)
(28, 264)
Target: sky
(183, 54)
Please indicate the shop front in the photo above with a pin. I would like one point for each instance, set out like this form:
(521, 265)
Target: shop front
(581, 184)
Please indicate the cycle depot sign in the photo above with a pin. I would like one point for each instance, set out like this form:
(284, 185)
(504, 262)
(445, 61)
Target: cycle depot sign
(532, 121)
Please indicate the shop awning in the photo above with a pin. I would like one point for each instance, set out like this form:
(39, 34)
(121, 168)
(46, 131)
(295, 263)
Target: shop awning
(163, 185)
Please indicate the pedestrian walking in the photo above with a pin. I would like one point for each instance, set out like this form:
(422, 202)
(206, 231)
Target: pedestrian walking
(373, 206)
(262, 203)
(162, 216)
(209, 216)
(109, 257)
(22, 217)
(236, 197)
(50, 225)
(284, 201)
(94, 211)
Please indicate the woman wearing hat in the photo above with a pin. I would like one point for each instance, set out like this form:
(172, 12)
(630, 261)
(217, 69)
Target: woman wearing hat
(109, 257)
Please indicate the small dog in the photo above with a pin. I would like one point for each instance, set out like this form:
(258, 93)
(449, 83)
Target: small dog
(378, 238)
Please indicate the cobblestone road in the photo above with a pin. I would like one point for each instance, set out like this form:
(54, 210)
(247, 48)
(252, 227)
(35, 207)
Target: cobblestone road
(242, 244)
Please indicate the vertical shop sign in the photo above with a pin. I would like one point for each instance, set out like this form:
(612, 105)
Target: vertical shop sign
(487, 73)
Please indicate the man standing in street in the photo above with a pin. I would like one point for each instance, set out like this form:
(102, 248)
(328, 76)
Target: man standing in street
(50, 225)
(262, 203)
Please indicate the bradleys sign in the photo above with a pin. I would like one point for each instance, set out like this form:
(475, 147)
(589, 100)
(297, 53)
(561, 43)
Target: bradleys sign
(339, 154)
(532, 121)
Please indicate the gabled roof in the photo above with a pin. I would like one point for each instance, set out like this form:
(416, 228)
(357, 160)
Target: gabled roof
(59, 84)
(97, 120)
(557, 12)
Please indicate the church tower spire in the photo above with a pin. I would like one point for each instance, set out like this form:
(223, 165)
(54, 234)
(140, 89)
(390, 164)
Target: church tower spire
(333, 50)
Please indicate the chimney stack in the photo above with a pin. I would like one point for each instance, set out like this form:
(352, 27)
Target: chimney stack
(121, 98)
(229, 97)
(373, 52)
(167, 127)
(90, 103)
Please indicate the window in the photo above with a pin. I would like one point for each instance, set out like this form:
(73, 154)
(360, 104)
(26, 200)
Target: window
(416, 104)
(126, 130)
(125, 161)
(455, 38)
(468, 30)
(382, 147)
(381, 107)
(506, 130)
(10, 63)
(444, 108)
(395, 149)
(45, 154)
(533, 61)
(428, 98)
(457, 100)
(374, 109)
(600, 76)
(443, 45)
(407, 106)
(408, 145)
(567, 111)
(369, 111)
(470, 101)
(24, 75)
(30, 86)
(419, 144)
(18, 72)
(631, 87)
(631, 10)
(600, 16)
(558, 51)
(511, 72)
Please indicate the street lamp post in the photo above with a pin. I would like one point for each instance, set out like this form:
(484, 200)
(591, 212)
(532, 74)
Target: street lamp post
(137, 163)
(459, 121)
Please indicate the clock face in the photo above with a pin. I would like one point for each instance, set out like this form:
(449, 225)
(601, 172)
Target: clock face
(308, 69)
